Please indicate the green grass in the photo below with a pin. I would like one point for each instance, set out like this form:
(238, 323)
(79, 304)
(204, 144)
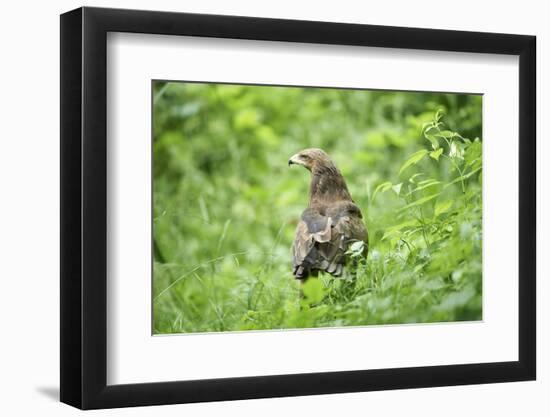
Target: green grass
(226, 206)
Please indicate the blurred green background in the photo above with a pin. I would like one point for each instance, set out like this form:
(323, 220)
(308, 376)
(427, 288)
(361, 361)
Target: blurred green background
(226, 205)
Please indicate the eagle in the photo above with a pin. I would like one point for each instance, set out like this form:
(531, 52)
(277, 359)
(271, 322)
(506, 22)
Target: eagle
(331, 222)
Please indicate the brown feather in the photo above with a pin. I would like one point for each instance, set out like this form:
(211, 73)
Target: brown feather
(331, 222)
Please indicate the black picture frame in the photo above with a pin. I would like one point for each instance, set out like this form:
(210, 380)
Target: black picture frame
(84, 207)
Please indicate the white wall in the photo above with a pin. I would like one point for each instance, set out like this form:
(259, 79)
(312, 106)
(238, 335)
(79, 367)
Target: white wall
(29, 177)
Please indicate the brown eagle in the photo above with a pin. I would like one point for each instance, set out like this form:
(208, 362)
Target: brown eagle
(331, 222)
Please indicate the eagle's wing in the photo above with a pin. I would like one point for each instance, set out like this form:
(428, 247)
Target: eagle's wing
(313, 228)
(322, 240)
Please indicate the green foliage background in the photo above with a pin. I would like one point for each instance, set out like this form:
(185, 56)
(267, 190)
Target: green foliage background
(226, 205)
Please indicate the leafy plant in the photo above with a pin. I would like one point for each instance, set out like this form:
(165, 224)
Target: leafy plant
(226, 206)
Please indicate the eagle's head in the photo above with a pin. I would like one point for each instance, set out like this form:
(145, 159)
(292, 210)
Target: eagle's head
(313, 159)
(327, 183)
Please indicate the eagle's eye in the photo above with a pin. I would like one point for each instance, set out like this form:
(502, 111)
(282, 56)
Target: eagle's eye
(304, 156)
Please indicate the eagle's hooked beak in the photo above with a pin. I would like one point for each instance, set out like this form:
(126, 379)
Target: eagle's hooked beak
(296, 160)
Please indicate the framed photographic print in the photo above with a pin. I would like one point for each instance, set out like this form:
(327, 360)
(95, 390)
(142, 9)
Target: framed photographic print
(257, 207)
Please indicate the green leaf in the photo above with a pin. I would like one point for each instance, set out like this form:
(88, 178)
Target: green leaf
(472, 155)
(456, 151)
(442, 207)
(447, 134)
(461, 178)
(453, 150)
(381, 188)
(413, 159)
(426, 126)
(397, 228)
(436, 154)
(424, 184)
(397, 188)
(357, 246)
(433, 140)
(415, 176)
(426, 131)
(419, 201)
(313, 290)
(356, 249)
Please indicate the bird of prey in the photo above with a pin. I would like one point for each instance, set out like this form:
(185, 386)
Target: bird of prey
(331, 222)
